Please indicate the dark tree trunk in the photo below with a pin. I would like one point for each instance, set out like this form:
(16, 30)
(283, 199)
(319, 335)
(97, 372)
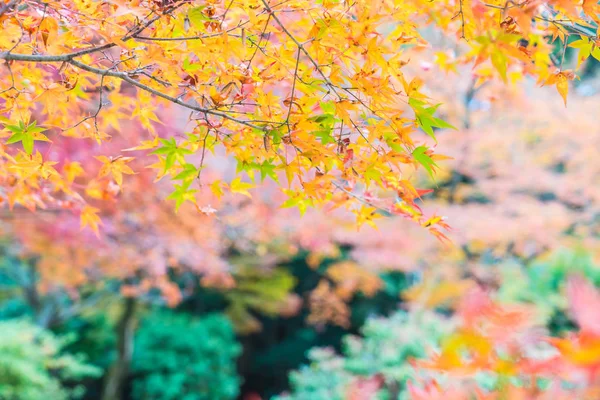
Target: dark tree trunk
(113, 386)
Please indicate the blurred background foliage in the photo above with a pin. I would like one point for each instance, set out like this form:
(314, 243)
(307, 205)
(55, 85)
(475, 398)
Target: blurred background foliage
(192, 351)
(180, 357)
(384, 348)
(34, 365)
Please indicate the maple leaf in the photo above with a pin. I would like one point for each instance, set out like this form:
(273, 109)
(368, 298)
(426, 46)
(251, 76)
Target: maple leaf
(586, 48)
(189, 172)
(500, 62)
(33, 165)
(145, 145)
(592, 9)
(172, 153)
(72, 170)
(440, 236)
(267, 168)
(561, 80)
(115, 167)
(367, 215)
(421, 156)
(297, 199)
(237, 186)
(182, 194)
(27, 134)
(425, 118)
(217, 188)
(90, 218)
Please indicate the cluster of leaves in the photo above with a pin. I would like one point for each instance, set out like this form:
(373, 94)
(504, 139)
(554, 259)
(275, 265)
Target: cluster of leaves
(263, 295)
(32, 366)
(541, 283)
(258, 291)
(178, 357)
(520, 360)
(340, 130)
(495, 345)
(263, 81)
(175, 356)
(382, 351)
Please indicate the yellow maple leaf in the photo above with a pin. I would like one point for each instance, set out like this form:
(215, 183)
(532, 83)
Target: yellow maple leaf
(561, 80)
(90, 218)
(217, 189)
(145, 145)
(72, 170)
(29, 166)
(237, 186)
(366, 215)
(115, 167)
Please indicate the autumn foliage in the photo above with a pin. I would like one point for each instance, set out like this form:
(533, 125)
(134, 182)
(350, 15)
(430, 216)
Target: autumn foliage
(312, 94)
(146, 141)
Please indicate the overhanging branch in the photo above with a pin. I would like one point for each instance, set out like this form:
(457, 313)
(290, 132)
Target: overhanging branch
(70, 59)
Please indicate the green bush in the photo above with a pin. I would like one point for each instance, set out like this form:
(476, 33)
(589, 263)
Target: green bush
(95, 337)
(180, 358)
(385, 347)
(32, 366)
(541, 283)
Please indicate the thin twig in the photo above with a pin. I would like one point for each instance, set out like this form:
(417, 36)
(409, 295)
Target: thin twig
(8, 6)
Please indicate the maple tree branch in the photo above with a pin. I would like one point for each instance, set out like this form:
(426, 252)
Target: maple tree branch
(361, 199)
(566, 24)
(12, 78)
(8, 56)
(569, 25)
(70, 58)
(8, 6)
(314, 63)
(287, 119)
(461, 13)
(125, 77)
(185, 38)
(301, 47)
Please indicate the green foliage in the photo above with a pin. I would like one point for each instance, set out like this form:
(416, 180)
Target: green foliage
(27, 134)
(425, 118)
(541, 283)
(181, 358)
(325, 378)
(32, 366)
(283, 343)
(386, 346)
(12, 305)
(423, 159)
(95, 338)
(259, 290)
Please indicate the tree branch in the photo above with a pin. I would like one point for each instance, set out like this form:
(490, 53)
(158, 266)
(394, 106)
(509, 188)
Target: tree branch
(8, 56)
(125, 77)
(70, 58)
(6, 7)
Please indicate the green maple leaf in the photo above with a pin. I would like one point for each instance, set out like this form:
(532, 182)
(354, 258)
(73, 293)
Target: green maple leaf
(27, 135)
(425, 118)
(423, 159)
(182, 194)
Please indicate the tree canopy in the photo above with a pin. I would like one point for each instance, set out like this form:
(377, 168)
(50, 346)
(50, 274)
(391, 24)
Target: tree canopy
(313, 95)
